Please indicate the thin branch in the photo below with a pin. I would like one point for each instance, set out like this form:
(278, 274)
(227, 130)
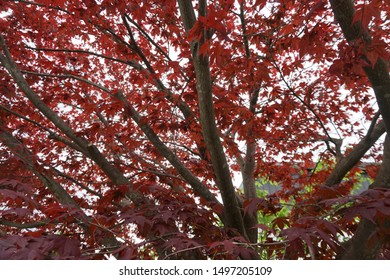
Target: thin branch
(184, 250)
(25, 225)
(128, 62)
(176, 144)
(68, 76)
(148, 37)
(292, 91)
(208, 122)
(81, 185)
(136, 48)
(372, 125)
(52, 134)
(192, 180)
(113, 173)
(243, 27)
(42, 5)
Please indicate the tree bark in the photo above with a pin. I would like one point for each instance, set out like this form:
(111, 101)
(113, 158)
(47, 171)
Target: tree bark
(207, 119)
(345, 164)
(367, 242)
(378, 74)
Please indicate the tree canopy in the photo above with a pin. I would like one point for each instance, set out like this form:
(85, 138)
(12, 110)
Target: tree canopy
(124, 126)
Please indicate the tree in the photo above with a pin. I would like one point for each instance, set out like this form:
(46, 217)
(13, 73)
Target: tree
(123, 123)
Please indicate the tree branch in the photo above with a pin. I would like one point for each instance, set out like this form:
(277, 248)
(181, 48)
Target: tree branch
(88, 149)
(52, 134)
(378, 75)
(127, 62)
(209, 128)
(322, 125)
(21, 151)
(194, 182)
(25, 225)
(250, 162)
(183, 171)
(81, 185)
(148, 37)
(42, 5)
(345, 164)
(184, 108)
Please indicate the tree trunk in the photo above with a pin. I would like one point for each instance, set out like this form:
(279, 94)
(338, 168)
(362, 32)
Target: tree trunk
(366, 243)
(232, 208)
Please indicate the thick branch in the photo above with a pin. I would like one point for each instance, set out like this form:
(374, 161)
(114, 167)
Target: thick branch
(88, 149)
(366, 242)
(345, 164)
(209, 127)
(378, 74)
(194, 182)
(187, 175)
(51, 133)
(250, 163)
(18, 148)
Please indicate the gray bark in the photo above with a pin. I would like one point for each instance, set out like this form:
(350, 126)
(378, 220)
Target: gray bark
(208, 123)
(378, 74)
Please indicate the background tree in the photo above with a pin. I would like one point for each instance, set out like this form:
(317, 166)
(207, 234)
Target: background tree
(123, 124)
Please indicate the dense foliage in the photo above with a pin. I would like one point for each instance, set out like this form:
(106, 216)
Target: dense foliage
(124, 123)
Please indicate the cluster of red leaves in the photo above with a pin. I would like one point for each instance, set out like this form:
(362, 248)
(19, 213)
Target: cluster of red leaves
(50, 247)
(78, 56)
(319, 226)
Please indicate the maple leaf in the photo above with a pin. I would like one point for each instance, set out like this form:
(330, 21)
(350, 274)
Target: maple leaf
(138, 120)
(365, 13)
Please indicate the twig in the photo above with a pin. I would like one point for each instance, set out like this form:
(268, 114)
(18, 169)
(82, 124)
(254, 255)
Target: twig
(25, 225)
(372, 125)
(148, 37)
(42, 5)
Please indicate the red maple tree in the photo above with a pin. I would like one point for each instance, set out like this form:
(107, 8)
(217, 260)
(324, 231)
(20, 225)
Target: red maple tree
(122, 124)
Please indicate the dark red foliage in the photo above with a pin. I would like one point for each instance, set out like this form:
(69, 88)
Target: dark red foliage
(51, 247)
(126, 128)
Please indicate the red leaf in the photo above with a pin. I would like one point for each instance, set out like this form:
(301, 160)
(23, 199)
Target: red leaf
(327, 239)
(204, 49)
